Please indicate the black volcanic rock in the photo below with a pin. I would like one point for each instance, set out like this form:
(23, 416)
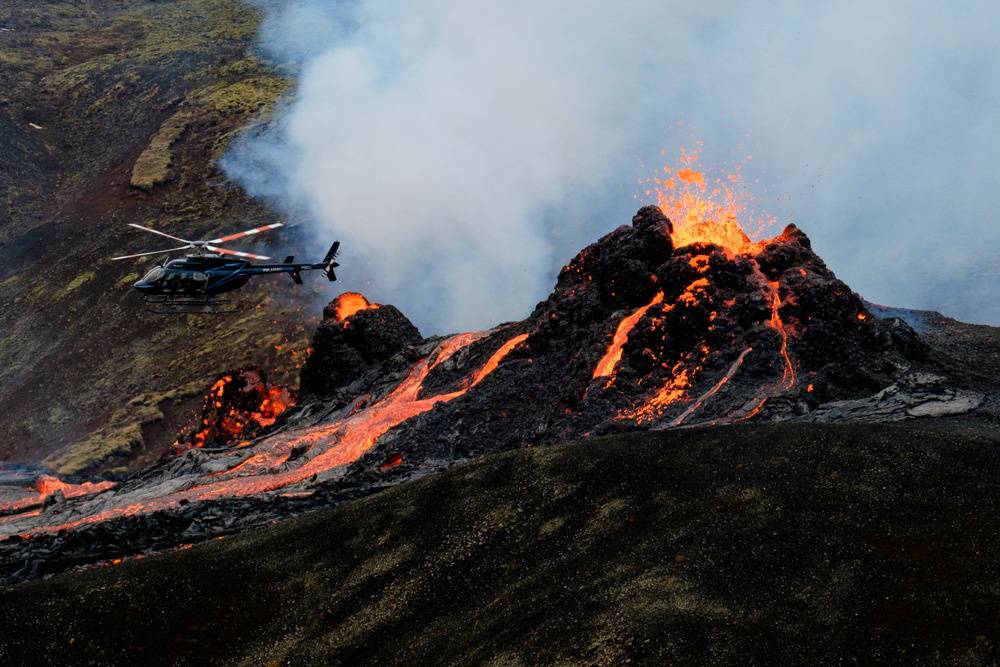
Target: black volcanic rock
(343, 350)
(617, 266)
(724, 337)
(711, 315)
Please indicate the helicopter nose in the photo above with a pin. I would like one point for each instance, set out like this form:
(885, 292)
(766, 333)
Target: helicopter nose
(141, 285)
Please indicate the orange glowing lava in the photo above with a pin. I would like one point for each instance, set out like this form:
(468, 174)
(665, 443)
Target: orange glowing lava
(352, 436)
(276, 402)
(694, 407)
(46, 485)
(391, 462)
(606, 366)
(707, 210)
(699, 263)
(498, 356)
(329, 446)
(669, 393)
(350, 303)
(235, 407)
(776, 323)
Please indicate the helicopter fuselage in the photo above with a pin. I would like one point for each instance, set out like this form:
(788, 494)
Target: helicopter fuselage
(210, 275)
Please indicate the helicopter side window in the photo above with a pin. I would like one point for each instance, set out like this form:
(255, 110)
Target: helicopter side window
(175, 280)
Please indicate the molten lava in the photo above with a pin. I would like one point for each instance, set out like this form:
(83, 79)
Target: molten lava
(277, 400)
(350, 303)
(671, 392)
(638, 332)
(391, 462)
(495, 359)
(606, 366)
(236, 406)
(330, 446)
(681, 375)
(705, 210)
(694, 407)
(46, 485)
(776, 323)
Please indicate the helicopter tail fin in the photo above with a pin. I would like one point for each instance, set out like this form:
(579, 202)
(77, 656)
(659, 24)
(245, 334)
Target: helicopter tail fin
(289, 259)
(332, 253)
(296, 276)
(330, 261)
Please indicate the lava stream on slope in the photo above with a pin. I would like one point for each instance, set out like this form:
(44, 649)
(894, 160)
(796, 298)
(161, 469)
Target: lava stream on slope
(331, 446)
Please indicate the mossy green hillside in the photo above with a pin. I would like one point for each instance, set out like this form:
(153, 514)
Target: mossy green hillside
(91, 95)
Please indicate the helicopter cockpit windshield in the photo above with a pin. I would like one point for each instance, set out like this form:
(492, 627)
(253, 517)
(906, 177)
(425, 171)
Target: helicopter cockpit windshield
(155, 275)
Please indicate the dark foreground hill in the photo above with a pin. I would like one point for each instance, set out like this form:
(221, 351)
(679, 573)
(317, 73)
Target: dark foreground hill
(753, 544)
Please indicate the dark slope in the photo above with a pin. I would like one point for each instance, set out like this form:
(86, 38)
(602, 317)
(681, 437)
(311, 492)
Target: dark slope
(111, 112)
(750, 544)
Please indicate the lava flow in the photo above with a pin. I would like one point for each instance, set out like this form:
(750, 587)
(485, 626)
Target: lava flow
(331, 446)
(671, 392)
(776, 323)
(681, 374)
(705, 211)
(606, 366)
(47, 486)
(694, 407)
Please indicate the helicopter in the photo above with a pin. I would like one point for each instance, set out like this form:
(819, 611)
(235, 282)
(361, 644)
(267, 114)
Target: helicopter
(194, 284)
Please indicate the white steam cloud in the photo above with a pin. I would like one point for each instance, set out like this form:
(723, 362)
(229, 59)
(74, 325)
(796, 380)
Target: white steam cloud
(463, 150)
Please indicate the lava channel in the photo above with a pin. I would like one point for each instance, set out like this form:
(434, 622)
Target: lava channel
(336, 444)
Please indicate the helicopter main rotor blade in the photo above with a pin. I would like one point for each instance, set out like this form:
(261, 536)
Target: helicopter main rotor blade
(147, 229)
(236, 253)
(249, 232)
(154, 252)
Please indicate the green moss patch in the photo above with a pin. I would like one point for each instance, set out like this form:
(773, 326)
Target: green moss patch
(154, 166)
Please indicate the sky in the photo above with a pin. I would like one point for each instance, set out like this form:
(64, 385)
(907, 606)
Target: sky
(463, 151)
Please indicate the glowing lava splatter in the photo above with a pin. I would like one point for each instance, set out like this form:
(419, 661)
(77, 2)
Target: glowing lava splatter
(672, 391)
(776, 323)
(236, 406)
(694, 407)
(350, 303)
(701, 210)
(707, 210)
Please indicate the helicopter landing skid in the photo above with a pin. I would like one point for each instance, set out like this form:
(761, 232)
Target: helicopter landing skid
(188, 304)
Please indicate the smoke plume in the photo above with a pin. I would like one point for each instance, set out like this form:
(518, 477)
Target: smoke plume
(464, 150)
